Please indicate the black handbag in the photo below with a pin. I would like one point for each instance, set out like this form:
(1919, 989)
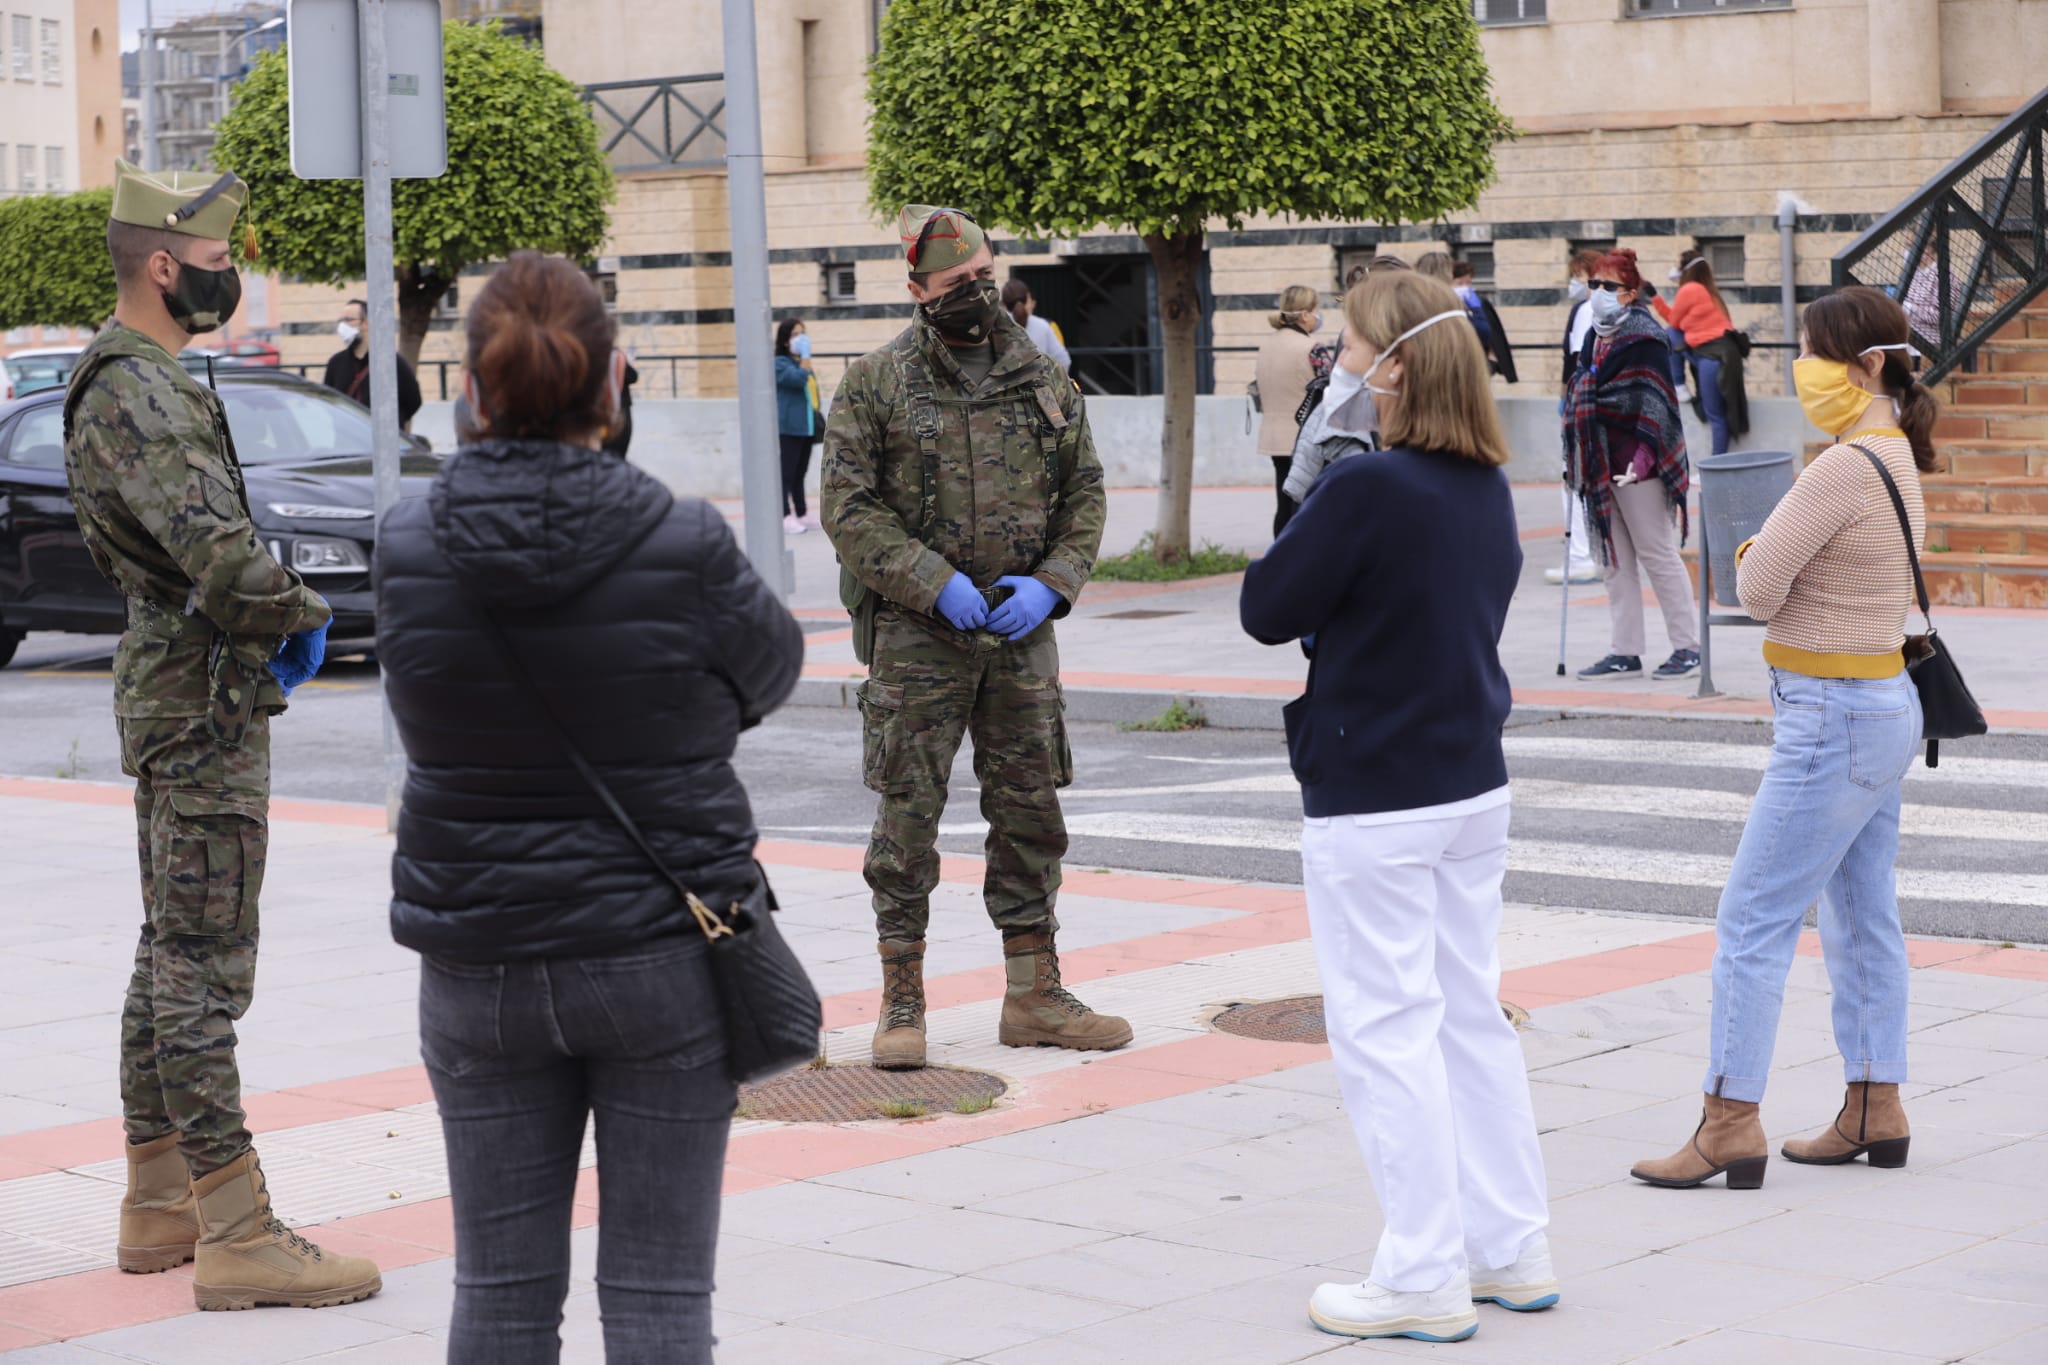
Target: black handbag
(771, 1011)
(1947, 710)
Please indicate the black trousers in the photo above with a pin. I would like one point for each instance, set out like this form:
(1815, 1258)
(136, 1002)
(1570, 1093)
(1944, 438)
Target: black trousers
(1284, 507)
(796, 464)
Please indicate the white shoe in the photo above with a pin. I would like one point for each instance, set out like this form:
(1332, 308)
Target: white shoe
(1578, 575)
(1525, 1286)
(1684, 394)
(794, 526)
(1368, 1310)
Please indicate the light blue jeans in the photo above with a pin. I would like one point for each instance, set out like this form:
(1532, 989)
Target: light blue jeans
(1825, 826)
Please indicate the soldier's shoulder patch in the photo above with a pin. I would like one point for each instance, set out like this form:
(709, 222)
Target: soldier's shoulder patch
(1049, 405)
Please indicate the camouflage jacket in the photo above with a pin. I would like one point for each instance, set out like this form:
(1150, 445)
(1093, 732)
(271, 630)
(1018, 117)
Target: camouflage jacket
(165, 516)
(922, 477)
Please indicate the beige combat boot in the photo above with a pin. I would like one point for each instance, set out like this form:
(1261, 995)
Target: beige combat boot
(248, 1259)
(899, 1033)
(159, 1217)
(1037, 1009)
(1872, 1120)
(1730, 1138)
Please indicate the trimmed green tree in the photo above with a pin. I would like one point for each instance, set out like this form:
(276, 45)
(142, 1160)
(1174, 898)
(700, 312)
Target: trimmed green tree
(54, 269)
(1060, 116)
(524, 170)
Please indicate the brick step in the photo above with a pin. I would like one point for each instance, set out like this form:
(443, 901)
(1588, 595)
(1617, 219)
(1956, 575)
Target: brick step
(2029, 357)
(1960, 393)
(1966, 579)
(1994, 459)
(1996, 533)
(1959, 493)
(1996, 422)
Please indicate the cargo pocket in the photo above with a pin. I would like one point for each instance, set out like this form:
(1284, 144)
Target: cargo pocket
(212, 870)
(885, 764)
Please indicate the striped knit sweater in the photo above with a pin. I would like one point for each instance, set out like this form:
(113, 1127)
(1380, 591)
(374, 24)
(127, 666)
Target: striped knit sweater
(1829, 571)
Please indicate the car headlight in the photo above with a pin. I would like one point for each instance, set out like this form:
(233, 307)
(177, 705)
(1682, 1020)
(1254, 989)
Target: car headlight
(320, 554)
(305, 511)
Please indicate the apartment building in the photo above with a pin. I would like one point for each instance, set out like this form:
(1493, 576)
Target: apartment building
(1654, 124)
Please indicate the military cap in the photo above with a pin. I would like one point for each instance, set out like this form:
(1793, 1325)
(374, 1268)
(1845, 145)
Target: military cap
(196, 203)
(937, 238)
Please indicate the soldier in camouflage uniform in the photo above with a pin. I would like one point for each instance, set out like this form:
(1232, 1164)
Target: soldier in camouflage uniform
(218, 632)
(963, 495)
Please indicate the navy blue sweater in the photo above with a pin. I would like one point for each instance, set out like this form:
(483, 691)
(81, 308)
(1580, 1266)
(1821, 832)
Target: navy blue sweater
(1401, 564)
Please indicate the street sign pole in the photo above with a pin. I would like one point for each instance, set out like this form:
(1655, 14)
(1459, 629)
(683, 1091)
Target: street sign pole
(753, 337)
(379, 274)
(148, 149)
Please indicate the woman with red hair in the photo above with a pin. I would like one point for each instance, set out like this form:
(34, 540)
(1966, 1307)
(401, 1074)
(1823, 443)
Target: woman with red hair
(1624, 449)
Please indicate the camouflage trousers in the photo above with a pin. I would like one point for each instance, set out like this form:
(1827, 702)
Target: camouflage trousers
(927, 686)
(202, 832)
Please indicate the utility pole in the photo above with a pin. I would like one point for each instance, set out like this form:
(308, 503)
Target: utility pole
(147, 59)
(753, 336)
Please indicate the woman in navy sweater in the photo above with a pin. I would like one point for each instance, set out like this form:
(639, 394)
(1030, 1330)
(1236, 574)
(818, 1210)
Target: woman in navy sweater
(1397, 571)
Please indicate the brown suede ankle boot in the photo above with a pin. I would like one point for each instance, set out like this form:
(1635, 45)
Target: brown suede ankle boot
(899, 1033)
(1730, 1138)
(159, 1217)
(1037, 1009)
(248, 1259)
(1872, 1120)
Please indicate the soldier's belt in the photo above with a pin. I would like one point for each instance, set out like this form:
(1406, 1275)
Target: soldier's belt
(158, 622)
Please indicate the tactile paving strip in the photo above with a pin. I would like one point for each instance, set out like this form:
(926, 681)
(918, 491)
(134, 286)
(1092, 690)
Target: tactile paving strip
(848, 1094)
(1299, 1019)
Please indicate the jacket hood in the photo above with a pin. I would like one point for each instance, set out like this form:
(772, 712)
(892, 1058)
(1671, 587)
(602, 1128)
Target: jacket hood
(528, 523)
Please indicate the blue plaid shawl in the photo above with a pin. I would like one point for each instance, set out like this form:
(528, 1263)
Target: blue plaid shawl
(1621, 399)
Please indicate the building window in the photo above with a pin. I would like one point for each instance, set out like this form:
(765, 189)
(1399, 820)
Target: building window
(1649, 9)
(1600, 245)
(605, 275)
(841, 284)
(53, 53)
(1495, 13)
(1725, 257)
(23, 59)
(53, 168)
(1480, 257)
(25, 169)
(1353, 263)
(880, 8)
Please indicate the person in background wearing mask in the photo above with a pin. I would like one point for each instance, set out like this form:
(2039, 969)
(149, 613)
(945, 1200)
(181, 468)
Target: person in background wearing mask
(348, 369)
(1578, 335)
(1830, 577)
(1404, 839)
(1493, 334)
(1700, 326)
(1341, 421)
(1024, 310)
(219, 633)
(796, 419)
(1624, 448)
(1283, 373)
(964, 498)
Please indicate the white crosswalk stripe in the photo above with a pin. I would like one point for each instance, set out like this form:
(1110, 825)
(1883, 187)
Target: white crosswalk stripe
(1957, 768)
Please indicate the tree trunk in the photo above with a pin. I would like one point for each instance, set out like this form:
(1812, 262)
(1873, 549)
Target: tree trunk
(1177, 261)
(420, 290)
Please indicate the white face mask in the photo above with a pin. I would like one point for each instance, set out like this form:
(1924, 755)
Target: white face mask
(348, 332)
(1343, 384)
(1576, 290)
(1606, 306)
(1392, 346)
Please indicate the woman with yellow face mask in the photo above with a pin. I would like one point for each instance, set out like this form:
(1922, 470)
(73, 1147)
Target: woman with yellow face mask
(1829, 575)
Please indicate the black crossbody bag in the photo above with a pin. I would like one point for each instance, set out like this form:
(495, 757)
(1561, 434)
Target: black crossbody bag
(771, 1011)
(1947, 710)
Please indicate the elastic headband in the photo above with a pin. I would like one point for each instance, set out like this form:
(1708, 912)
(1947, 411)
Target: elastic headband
(1426, 322)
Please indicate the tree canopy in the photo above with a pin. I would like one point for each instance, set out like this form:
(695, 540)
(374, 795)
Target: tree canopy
(54, 268)
(1060, 116)
(524, 170)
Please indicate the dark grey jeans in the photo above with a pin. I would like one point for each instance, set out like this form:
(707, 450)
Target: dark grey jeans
(519, 1053)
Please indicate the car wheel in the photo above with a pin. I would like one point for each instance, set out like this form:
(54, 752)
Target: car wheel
(9, 640)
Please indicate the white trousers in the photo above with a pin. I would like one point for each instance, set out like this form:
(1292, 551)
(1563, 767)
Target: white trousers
(1406, 920)
(1578, 557)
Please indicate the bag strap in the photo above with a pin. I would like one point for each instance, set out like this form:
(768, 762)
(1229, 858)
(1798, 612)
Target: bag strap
(1906, 527)
(707, 919)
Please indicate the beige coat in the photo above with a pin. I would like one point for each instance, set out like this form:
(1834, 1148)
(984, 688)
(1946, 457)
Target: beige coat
(1283, 375)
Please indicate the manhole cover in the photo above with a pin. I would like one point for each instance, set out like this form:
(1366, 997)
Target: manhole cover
(1299, 1019)
(849, 1094)
(1142, 614)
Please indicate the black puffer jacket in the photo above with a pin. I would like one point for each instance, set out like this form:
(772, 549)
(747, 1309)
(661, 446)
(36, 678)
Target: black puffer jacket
(651, 636)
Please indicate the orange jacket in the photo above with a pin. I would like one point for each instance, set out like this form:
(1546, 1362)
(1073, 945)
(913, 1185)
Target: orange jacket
(1694, 312)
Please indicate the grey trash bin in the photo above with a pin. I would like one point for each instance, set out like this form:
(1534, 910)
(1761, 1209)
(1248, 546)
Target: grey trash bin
(1737, 492)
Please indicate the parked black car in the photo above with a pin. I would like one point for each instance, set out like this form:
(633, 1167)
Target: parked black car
(305, 453)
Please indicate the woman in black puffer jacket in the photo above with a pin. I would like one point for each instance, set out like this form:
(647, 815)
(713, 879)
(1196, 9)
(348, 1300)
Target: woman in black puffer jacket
(561, 975)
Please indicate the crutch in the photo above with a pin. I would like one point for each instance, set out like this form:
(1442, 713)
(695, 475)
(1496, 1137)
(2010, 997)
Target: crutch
(1564, 608)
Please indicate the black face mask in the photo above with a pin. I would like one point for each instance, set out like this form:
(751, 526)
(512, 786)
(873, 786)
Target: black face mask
(203, 300)
(967, 312)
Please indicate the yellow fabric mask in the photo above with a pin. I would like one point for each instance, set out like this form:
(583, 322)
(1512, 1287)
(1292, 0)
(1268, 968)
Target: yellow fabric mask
(1832, 403)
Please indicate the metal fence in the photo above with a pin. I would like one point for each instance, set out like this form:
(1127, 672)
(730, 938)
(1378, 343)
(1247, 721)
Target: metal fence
(675, 123)
(1969, 249)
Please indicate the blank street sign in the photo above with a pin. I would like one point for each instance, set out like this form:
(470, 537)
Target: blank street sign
(326, 104)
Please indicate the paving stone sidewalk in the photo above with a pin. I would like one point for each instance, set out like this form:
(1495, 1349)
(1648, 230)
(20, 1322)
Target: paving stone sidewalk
(1175, 1202)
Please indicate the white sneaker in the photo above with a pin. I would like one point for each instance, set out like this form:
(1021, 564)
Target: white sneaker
(794, 526)
(1578, 575)
(1684, 394)
(1525, 1286)
(1368, 1310)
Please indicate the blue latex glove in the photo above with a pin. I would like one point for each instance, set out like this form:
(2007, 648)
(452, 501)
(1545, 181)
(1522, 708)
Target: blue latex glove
(962, 604)
(300, 657)
(1025, 610)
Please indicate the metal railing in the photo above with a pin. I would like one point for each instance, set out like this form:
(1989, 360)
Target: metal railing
(1969, 249)
(675, 123)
